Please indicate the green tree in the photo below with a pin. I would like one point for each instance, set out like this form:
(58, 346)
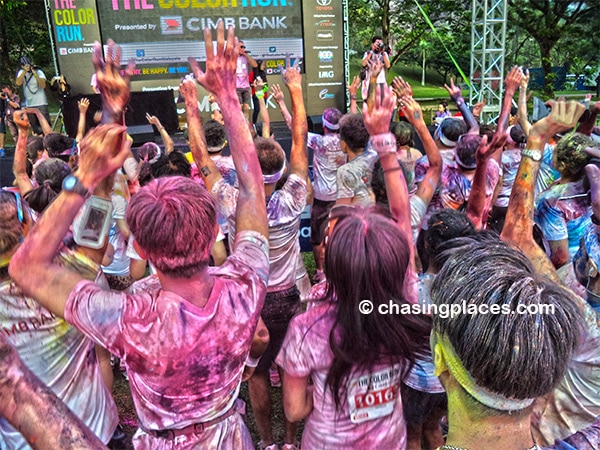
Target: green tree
(23, 31)
(547, 22)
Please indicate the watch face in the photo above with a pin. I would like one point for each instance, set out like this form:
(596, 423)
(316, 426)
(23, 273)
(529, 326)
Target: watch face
(70, 182)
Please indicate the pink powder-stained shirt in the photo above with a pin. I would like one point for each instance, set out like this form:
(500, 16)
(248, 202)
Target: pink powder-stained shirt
(184, 362)
(306, 352)
(328, 157)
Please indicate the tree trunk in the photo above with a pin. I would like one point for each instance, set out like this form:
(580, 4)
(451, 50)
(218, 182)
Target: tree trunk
(549, 76)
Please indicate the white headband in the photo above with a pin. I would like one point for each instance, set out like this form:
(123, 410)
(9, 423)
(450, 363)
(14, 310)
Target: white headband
(274, 177)
(330, 125)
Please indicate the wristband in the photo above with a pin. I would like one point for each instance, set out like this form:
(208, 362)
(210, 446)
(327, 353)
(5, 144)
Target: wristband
(353, 97)
(459, 101)
(252, 362)
(384, 143)
(259, 94)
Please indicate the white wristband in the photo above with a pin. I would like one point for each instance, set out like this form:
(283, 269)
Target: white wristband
(252, 362)
(384, 143)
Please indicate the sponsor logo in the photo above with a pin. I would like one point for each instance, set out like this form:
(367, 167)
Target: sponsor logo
(62, 51)
(323, 2)
(324, 23)
(171, 25)
(326, 74)
(140, 53)
(325, 56)
(324, 94)
(323, 35)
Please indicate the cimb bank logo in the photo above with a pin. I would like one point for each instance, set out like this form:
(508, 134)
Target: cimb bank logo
(171, 25)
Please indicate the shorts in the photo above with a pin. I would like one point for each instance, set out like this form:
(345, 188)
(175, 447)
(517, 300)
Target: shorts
(419, 405)
(319, 217)
(2, 126)
(280, 307)
(244, 95)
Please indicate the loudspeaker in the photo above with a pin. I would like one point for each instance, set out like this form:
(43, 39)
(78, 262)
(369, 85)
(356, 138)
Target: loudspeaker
(315, 124)
(141, 134)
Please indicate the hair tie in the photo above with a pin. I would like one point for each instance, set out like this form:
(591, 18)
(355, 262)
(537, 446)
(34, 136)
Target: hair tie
(47, 183)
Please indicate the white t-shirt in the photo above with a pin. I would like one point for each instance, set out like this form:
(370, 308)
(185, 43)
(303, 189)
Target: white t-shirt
(328, 157)
(33, 93)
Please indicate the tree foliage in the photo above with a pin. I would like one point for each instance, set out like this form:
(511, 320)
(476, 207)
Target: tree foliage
(23, 31)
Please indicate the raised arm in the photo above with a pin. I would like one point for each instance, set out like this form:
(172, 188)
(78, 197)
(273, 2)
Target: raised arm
(166, 138)
(377, 122)
(375, 67)
(432, 177)
(587, 125)
(103, 151)
(219, 79)
(299, 155)
(518, 226)
(352, 90)
(477, 209)
(279, 97)
(27, 403)
(511, 83)
(259, 90)
(20, 159)
(459, 101)
(522, 104)
(207, 168)
(114, 88)
(83, 106)
(46, 127)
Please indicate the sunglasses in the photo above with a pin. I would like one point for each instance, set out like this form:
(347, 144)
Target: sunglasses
(242, 46)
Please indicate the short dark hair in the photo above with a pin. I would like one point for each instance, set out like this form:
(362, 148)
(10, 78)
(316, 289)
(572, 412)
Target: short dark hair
(519, 356)
(215, 133)
(172, 164)
(270, 155)
(353, 132)
(376, 38)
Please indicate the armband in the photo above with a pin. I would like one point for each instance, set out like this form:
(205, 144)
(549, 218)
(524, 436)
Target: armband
(383, 143)
(259, 94)
(252, 362)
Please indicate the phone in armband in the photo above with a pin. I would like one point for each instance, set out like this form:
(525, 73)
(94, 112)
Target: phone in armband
(92, 223)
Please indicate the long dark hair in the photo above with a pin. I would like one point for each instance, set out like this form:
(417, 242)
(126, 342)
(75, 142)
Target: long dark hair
(367, 257)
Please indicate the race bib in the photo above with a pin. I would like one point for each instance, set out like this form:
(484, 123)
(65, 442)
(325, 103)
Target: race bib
(373, 396)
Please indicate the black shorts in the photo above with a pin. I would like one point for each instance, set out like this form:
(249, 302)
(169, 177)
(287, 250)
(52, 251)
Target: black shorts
(279, 309)
(319, 217)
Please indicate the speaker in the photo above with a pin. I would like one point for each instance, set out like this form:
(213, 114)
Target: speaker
(315, 124)
(141, 134)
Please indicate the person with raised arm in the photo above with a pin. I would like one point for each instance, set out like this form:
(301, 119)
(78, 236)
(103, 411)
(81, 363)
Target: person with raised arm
(167, 140)
(185, 345)
(352, 353)
(456, 96)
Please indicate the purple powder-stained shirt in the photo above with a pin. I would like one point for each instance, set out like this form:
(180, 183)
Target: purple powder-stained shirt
(184, 362)
(456, 185)
(327, 158)
(306, 352)
(563, 212)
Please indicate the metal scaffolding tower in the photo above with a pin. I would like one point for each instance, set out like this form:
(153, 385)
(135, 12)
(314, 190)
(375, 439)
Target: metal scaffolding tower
(488, 37)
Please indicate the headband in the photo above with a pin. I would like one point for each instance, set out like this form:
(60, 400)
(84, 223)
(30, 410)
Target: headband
(274, 177)
(509, 140)
(462, 164)
(443, 349)
(330, 125)
(216, 149)
(443, 139)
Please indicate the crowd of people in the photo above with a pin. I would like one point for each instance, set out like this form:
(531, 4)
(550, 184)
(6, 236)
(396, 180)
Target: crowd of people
(457, 285)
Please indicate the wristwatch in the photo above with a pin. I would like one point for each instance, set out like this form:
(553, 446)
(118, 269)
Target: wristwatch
(72, 184)
(536, 155)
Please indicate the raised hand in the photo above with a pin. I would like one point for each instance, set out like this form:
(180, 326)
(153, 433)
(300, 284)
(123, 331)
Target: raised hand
(103, 150)
(291, 74)
(485, 151)
(513, 80)
(188, 90)
(401, 88)
(453, 91)
(411, 108)
(377, 120)
(114, 87)
(375, 67)
(83, 105)
(219, 76)
(353, 87)
(564, 115)
(525, 80)
(153, 120)
(277, 93)
(478, 107)
(21, 120)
